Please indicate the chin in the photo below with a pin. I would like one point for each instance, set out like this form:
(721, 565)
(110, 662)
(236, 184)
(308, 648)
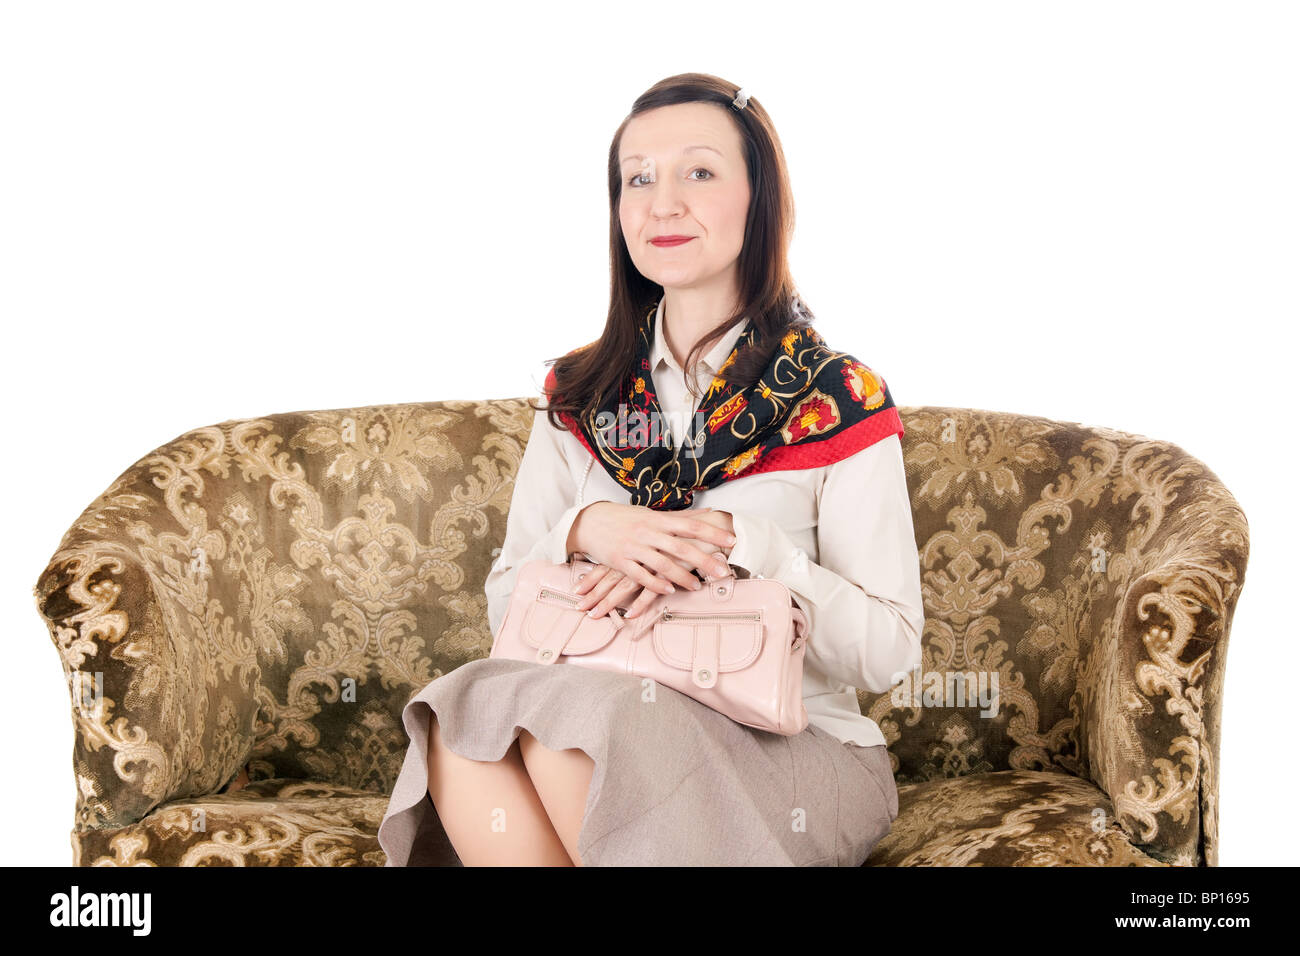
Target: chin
(677, 279)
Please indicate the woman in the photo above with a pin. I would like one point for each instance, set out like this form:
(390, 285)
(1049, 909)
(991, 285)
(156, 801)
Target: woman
(791, 468)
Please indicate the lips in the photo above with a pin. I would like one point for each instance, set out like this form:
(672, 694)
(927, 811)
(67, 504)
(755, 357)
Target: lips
(671, 240)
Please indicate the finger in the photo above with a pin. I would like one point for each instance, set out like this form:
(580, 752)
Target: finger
(597, 591)
(676, 559)
(590, 578)
(640, 567)
(615, 598)
(644, 600)
(689, 527)
(709, 562)
(657, 553)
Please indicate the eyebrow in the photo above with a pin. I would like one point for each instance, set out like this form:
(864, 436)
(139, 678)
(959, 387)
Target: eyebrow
(686, 150)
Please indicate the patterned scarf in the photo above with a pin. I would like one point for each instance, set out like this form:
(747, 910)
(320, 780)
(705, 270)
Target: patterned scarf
(812, 406)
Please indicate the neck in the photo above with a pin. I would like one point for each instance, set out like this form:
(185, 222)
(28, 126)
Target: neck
(691, 313)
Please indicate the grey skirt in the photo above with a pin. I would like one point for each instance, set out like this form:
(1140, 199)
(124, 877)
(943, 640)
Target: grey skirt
(675, 782)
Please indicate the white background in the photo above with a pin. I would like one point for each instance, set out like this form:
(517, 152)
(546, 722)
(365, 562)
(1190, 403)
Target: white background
(1083, 211)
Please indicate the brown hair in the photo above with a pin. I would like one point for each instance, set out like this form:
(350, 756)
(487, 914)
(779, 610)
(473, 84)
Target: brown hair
(587, 376)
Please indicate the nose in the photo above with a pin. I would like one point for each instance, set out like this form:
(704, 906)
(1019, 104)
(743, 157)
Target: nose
(667, 200)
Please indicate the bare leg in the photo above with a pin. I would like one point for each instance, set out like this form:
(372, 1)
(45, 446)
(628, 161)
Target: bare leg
(240, 782)
(490, 810)
(562, 778)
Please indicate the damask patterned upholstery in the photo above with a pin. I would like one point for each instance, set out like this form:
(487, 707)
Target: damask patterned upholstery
(272, 591)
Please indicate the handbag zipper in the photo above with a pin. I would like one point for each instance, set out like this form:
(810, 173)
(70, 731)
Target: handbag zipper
(670, 615)
(570, 599)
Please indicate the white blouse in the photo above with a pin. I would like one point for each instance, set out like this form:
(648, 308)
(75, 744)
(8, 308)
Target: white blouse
(839, 536)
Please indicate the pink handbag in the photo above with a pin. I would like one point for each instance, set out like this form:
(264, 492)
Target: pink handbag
(736, 645)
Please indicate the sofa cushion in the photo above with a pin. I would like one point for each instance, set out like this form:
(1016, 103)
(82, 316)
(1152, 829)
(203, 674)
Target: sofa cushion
(277, 822)
(1008, 818)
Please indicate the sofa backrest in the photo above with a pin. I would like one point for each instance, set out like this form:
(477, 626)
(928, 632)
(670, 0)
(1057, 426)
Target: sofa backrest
(276, 589)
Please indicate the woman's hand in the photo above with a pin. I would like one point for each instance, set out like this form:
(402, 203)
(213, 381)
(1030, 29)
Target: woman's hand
(606, 587)
(721, 519)
(603, 588)
(633, 542)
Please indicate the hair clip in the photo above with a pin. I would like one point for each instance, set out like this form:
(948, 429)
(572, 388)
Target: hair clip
(742, 99)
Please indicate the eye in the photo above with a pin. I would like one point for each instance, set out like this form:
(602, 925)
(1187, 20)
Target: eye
(698, 169)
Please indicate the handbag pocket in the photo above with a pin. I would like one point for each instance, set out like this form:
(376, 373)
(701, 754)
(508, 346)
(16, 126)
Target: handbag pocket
(708, 643)
(552, 617)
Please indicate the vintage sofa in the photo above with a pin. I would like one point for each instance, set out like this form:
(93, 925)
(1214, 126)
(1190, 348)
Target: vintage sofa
(270, 592)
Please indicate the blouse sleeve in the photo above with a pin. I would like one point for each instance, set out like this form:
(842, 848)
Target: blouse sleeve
(540, 517)
(863, 599)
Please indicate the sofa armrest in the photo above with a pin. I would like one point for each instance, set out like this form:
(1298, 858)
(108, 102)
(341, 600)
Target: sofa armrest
(1151, 688)
(162, 683)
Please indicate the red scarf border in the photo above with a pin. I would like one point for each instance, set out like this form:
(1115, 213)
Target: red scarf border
(805, 454)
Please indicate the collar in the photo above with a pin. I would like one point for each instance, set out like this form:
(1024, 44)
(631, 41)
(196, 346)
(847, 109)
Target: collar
(713, 358)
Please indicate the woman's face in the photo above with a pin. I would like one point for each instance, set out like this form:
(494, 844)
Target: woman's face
(683, 175)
